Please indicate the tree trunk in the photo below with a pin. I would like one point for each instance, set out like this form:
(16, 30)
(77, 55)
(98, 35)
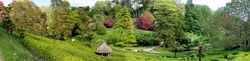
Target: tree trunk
(37, 31)
(7, 30)
(21, 36)
(164, 44)
(200, 52)
(54, 38)
(11, 30)
(43, 27)
(175, 54)
(90, 43)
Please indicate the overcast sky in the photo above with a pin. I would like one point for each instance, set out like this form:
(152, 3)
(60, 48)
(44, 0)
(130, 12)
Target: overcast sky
(213, 4)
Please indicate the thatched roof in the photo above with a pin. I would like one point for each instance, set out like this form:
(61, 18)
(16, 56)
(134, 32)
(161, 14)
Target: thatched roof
(103, 48)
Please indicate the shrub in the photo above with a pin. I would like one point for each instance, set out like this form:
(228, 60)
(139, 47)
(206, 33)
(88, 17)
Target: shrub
(101, 30)
(145, 24)
(109, 23)
(230, 57)
(147, 15)
(45, 50)
(145, 38)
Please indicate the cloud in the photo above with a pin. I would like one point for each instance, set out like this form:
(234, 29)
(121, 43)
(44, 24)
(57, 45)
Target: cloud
(83, 2)
(6, 2)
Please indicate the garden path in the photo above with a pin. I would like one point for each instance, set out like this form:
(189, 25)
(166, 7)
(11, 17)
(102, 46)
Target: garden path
(151, 49)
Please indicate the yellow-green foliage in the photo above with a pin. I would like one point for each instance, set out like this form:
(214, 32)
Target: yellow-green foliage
(243, 57)
(101, 30)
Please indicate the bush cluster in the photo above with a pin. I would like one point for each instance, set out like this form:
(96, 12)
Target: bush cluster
(145, 38)
(109, 23)
(145, 24)
(101, 30)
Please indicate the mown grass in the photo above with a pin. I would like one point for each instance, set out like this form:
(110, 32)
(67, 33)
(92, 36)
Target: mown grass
(161, 50)
(12, 50)
(134, 48)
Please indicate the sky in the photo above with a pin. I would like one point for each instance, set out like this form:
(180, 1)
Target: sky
(213, 4)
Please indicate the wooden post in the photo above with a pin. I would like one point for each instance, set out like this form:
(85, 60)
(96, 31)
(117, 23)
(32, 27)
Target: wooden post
(108, 54)
(102, 54)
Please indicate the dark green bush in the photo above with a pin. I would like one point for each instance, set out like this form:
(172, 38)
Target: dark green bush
(101, 30)
(145, 38)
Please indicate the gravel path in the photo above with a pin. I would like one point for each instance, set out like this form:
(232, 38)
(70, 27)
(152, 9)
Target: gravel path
(151, 49)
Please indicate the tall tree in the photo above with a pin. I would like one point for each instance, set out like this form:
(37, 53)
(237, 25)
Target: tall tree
(192, 18)
(25, 15)
(44, 17)
(60, 17)
(125, 28)
(238, 10)
(165, 20)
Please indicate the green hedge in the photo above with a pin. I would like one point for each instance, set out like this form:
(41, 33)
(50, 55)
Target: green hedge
(46, 51)
(79, 51)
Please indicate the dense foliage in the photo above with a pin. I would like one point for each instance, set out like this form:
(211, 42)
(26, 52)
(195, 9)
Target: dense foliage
(147, 15)
(109, 23)
(101, 30)
(192, 18)
(145, 38)
(145, 24)
(124, 27)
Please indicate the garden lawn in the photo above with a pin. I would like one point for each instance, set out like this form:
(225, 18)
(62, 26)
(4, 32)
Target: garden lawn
(12, 50)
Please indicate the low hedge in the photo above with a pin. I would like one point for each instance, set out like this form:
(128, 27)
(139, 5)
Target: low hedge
(79, 51)
(47, 51)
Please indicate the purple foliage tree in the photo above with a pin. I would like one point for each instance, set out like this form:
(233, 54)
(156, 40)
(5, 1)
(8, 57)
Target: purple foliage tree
(145, 24)
(109, 23)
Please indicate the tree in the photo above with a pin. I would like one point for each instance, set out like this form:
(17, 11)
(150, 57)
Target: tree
(124, 28)
(192, 18)
(165, 20)
(238, 11)
(175, 46)
(118, 9)
(43, 16)
(148, 15)
(25, 15)
(61, 18)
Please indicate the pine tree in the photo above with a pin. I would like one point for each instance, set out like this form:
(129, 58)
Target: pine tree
(125, 28)
(192, 18)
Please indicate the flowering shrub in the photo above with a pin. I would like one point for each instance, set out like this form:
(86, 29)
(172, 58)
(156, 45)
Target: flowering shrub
(109, 23)
(145, 24)
(89, 21)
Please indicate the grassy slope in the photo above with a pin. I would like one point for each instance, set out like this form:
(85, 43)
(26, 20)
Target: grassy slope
(11, 49)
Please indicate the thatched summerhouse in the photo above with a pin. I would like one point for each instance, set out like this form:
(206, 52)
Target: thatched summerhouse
(104, 49)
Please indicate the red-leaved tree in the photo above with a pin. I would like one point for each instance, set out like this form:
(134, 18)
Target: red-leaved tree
(109, 23)
(145, 24)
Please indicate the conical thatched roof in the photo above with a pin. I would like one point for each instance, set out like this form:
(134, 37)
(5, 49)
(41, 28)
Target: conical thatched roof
(103, 48)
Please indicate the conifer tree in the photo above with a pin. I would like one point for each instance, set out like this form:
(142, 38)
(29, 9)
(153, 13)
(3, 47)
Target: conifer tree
(192, 18)
(125, 28)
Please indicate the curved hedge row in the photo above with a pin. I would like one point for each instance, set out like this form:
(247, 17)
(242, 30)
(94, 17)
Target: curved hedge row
(79, 51)
(47, 51)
